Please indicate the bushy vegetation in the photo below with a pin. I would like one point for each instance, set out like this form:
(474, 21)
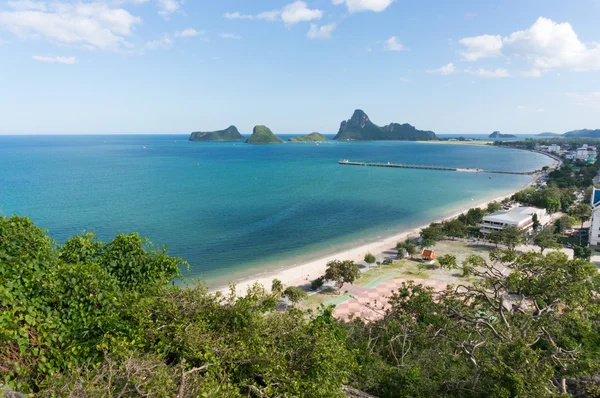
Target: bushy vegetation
(89, 318)
(517, 335)
(103, 319)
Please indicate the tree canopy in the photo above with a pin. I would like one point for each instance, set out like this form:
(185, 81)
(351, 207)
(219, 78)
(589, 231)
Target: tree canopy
(89, 318)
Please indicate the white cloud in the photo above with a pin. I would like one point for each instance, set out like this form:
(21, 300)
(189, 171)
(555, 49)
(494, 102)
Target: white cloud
(164, 43)
(444, 70)
(299, 12)
(491, 73)
(541, 110)
(290, 14)
(364, 5)
(230, 36)
(266, 15)
(521, 107)
(393, 44)
(96, 25)
(404, 80)
(168, 7)
(320, 32)
(545, 45)
(188, 33)
(481, 47)
(55, 59)
(586, 99)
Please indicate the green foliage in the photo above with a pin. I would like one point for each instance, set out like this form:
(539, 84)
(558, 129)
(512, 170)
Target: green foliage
(493, 207)
(564, 223)
(317, 283)
(95, 319)
(476, 341)
(401, 252)
(408, 246)
(342, 272)
(454, 229)
(583, 253)
(294, 294)
(512, 236)
(448, 261)
(582, 212)
(431, 235)
(369, 258)
(536, 222)
(129, 259)
(277, 287)
(546, 240)
(473, 217)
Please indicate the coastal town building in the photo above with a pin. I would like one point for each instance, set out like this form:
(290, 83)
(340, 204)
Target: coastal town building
(521, 217)
(554, 148)
(595, 223)
(582, 153)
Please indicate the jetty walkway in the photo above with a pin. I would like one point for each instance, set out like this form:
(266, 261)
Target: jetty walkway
(346, 162)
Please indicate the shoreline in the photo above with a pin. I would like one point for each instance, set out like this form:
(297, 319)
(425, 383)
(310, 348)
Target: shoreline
(302, 274)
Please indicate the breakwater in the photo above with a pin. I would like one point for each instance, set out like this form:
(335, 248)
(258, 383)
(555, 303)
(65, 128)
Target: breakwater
(346, 162)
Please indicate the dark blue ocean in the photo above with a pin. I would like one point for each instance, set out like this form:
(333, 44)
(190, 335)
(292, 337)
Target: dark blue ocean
(233, 209)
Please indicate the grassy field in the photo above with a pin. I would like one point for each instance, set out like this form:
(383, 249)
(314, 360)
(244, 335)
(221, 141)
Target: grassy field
(406, 269)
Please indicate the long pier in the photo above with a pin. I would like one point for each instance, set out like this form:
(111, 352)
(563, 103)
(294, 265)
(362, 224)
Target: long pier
(411, 166)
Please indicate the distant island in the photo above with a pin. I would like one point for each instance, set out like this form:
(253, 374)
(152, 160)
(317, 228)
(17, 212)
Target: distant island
(585, 133)
(548, 135)
(263, 135)
(360, 128)
(231, 133)
(497, 134)
(312, 137)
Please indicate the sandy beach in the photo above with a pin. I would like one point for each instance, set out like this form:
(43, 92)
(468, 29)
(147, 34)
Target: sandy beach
(302, 274)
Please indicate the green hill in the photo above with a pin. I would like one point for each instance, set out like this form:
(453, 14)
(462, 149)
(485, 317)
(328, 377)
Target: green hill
(549, 135)
(231, 133)
(585, 133)
(263, 135)
(312, 137)
(360, 127)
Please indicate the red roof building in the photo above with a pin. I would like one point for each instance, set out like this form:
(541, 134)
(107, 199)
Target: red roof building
(428, 255)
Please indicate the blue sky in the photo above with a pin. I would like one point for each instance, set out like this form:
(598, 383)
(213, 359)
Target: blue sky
(172, 66)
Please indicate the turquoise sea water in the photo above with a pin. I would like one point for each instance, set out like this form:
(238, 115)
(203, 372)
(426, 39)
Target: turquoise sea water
(233, 209)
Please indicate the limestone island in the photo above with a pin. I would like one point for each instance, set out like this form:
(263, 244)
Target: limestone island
(263, 135)
(231, 133)
(312, 137)
(497, 134)
(360, 128)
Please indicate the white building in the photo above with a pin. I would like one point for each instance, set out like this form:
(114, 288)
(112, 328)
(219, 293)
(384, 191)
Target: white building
(592, 153)
(582, 153)
(521, 217)
(595, 225)
(554, 148)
